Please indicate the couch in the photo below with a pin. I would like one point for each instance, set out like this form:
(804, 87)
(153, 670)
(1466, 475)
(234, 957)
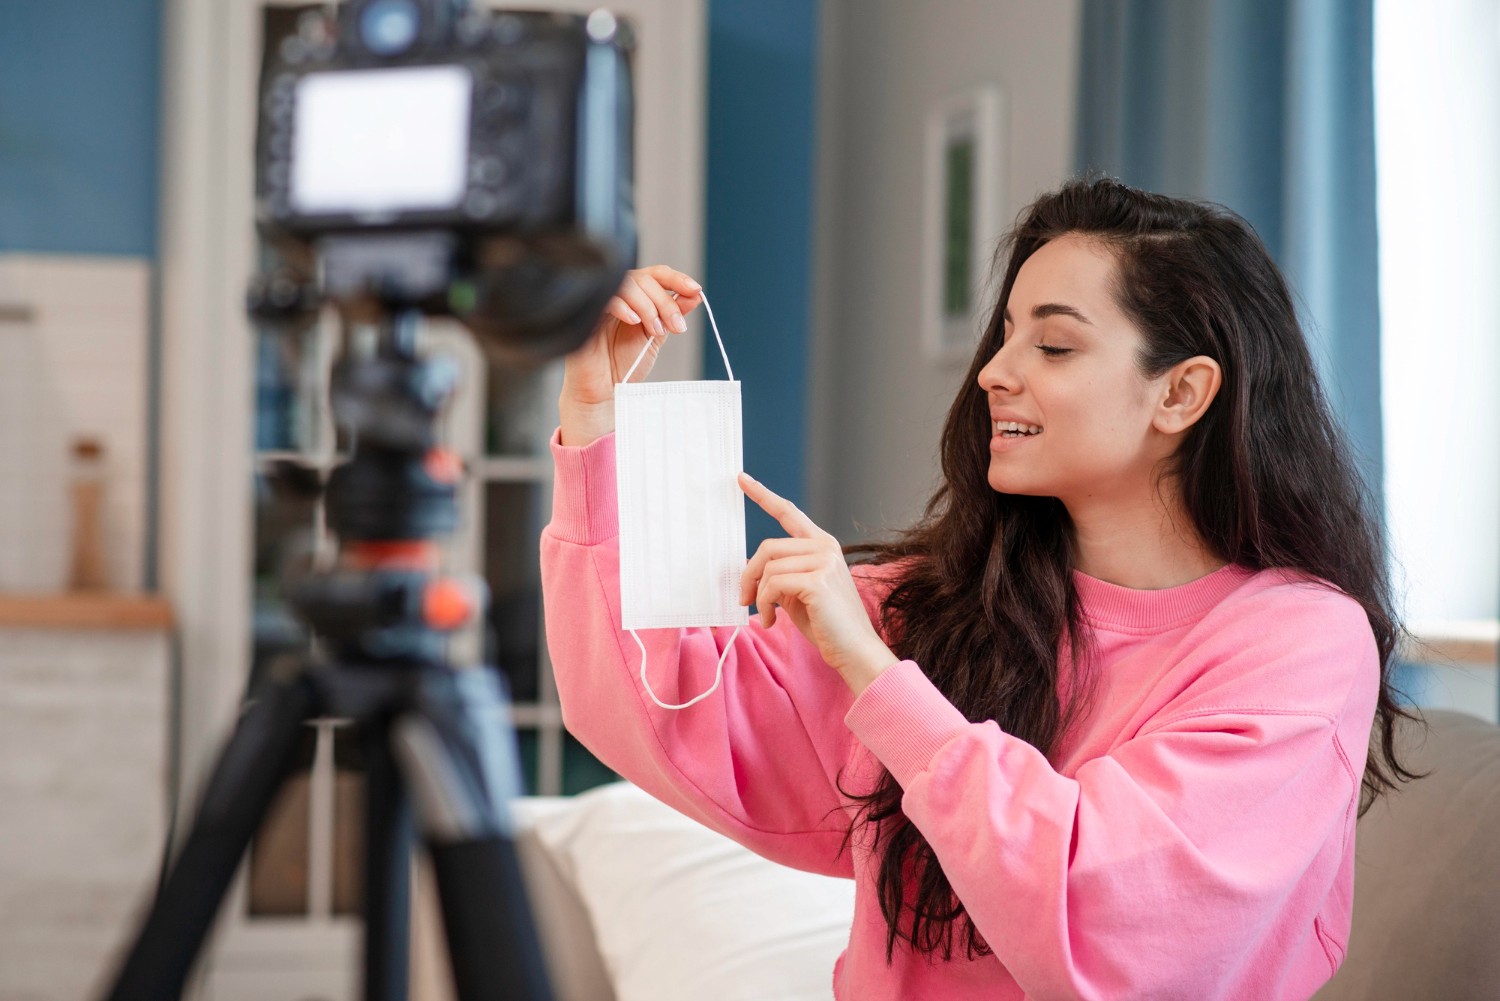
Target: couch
(1427, 873)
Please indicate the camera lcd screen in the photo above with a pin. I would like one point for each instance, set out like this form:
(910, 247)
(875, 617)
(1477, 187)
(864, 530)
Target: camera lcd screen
(381, 142)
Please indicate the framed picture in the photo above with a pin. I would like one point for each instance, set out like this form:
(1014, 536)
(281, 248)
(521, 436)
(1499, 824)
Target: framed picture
(962, 185)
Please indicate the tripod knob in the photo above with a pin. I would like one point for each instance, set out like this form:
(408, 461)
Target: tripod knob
(449, 603)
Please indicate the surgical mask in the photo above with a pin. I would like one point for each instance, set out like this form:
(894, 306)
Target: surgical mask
(678, 452)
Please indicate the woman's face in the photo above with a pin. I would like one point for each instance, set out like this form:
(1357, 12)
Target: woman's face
(1068, 365)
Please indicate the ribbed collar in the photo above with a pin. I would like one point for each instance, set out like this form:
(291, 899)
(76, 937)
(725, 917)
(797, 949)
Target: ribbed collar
(1152, 611)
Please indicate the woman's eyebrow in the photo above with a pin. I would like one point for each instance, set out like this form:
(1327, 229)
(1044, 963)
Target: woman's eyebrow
(1046, 309)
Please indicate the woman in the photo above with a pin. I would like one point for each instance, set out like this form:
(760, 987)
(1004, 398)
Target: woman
(1096, 726)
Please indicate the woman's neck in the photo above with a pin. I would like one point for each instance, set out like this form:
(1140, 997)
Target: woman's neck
(1141, 543)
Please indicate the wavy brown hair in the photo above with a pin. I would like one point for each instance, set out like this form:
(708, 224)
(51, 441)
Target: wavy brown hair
(985, 591)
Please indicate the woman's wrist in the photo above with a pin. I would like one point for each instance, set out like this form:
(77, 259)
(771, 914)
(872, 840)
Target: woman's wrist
(871, 663)
(584, 424)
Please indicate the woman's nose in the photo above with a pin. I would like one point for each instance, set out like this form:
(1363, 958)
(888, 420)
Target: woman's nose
(998, 375)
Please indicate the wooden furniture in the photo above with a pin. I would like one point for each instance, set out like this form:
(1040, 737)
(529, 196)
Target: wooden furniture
(94, 610)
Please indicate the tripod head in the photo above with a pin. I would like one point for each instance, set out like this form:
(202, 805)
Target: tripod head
(389, 503)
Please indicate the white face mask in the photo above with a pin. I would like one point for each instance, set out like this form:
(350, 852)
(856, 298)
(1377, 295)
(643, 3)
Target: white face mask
(682, 513)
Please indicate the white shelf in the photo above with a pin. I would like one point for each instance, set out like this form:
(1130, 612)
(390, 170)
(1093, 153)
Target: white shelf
(535, 714)
(209, 399)
(513, 469)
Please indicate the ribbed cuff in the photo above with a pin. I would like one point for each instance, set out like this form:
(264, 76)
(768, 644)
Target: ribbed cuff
(585, 510)
(904, 720)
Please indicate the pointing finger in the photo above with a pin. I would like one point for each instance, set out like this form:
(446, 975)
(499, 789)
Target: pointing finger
(787, 514)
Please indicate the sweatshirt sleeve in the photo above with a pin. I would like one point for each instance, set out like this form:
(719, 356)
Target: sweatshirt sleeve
(1198, 827)
(759, 759)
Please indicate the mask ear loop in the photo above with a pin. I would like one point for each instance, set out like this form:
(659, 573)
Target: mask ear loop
(719, 670)
(711, 322)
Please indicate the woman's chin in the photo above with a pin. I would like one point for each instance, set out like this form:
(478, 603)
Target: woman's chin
(1004, 484)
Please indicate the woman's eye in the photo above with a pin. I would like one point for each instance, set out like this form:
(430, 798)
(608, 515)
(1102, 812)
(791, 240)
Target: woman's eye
(1052, 352)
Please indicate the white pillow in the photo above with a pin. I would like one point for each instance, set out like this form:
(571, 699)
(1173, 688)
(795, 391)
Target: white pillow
(567, 934)
(682, 913)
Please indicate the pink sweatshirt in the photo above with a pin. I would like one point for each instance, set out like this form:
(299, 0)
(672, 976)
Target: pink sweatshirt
(1193, 838)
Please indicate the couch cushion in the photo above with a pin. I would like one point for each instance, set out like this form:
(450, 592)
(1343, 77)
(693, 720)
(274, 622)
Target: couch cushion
(1427, 873)
(682, 913)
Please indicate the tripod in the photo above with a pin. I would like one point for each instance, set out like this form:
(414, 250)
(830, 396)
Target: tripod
(435, 737)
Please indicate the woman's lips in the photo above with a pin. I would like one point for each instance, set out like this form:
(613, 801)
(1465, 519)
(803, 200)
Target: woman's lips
(1003, 443)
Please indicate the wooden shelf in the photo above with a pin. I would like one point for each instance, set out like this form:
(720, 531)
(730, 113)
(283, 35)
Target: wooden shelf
(84, 611)
(1465, 642)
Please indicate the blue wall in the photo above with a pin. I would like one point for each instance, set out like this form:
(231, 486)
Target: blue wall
(762, 89)
(80, 84)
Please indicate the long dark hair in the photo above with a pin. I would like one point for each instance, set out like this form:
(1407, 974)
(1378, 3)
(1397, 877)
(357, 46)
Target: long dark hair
(985, 593)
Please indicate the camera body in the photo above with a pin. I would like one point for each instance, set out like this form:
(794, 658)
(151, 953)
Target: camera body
(456, 160)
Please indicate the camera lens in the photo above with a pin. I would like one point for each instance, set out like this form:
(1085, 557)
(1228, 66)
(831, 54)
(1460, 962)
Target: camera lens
(388, 27)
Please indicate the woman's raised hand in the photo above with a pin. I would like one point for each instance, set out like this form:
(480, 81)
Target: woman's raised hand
(650, 306)
(806, 576)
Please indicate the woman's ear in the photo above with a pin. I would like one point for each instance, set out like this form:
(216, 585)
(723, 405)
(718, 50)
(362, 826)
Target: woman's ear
(1191, 387)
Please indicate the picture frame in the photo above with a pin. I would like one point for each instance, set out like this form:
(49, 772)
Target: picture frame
(963, 178)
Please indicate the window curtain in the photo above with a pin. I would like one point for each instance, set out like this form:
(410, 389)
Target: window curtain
(1266, 106)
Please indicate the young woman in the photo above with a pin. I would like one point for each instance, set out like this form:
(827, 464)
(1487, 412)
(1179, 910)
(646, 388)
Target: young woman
(1095, 727)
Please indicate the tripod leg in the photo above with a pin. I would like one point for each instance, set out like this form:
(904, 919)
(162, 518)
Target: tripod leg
(253, 765)
(458, 754)
(388, 845)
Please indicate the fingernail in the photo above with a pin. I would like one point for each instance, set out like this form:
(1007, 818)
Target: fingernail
(656, 326)
(635, 317)
(679, 324)
(694, 285)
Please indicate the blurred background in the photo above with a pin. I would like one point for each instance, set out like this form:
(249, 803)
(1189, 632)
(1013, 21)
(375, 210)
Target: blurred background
(837, 173)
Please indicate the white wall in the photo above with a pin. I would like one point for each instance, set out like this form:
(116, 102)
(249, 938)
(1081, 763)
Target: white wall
(877, 404)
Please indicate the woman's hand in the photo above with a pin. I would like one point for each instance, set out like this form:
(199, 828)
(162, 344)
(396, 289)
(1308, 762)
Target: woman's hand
(652, 303)
(807, 576)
